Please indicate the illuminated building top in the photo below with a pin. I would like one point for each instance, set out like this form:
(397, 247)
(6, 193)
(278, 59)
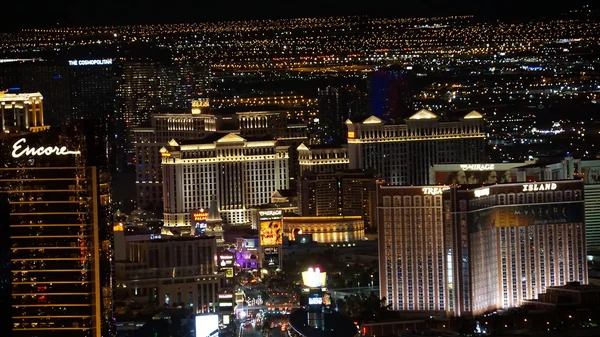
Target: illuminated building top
(473, 115)
(17, 98)
(22, 112)
(424, 114)
(386, 147)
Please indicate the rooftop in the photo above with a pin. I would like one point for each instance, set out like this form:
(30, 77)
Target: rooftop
(5, 97)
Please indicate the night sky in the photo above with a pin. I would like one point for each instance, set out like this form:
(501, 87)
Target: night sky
(81, 12)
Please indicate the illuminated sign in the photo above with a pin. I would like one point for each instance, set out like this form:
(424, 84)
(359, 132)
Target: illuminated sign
(477, 167)
(102, 62)
(226, 257)
(155, 236)
(200, 215)
(272, 213)
(226, 304)
(482, 192)
(271, 256)
(315, 301)
(351, 134)
(40, 151)
(434, 190)
(118, 227)
(539, 187)
(228, 272)
(314, 278)
(225, 295)
(271, 233)
(207, 325)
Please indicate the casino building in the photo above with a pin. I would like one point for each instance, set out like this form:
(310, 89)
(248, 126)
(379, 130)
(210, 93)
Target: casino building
(240, 172)
(507, 243)
(166, 270)
(467, 250)
(20, 112)
(402, 153)
(412, 259)
(61, 251)
(147, 142)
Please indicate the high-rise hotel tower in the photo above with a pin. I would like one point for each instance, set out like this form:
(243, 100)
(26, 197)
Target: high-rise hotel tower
(467, 250)
(239, 172)
(59, 235)
(403, 152)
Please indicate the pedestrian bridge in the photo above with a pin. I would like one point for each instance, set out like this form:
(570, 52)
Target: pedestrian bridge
(274, 308)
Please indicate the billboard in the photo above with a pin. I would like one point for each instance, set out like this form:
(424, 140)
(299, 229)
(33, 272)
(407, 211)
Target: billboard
(207, 325)
(228, 272)
(271, 232)
(526, 215)
(271, 257)
(314, 278)
(462, 177)
(591, 175)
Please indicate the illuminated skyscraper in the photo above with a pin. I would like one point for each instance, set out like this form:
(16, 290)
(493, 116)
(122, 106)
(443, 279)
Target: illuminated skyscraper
(147, 142)
(22, 113)
(240, 172)
(507, 243)
(412, 260)
(467, 251)
(93, 86)
(61, 246)
(402, 153)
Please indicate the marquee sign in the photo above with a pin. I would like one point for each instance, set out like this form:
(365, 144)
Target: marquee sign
(434, 190)
(539, 187)
(477, 167)
(482, 192)
(270, 215)
(18, 150)
(90, 62)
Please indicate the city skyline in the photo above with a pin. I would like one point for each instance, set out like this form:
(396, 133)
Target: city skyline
(178, 169)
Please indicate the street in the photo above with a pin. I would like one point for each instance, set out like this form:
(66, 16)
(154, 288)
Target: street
(255, 331)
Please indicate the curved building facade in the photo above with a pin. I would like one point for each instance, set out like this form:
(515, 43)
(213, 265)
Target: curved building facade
(326, 229)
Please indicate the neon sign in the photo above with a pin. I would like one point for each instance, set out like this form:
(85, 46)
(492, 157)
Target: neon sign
(477, 167)
(434, 190)
(482, 192)
(270, 213)
(40, 151)
(90, 62)
(539, 187)
(315, 300)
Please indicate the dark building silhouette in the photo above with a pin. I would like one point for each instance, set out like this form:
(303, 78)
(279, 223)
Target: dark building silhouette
(5, 271)
(391, 92)
(336, 105)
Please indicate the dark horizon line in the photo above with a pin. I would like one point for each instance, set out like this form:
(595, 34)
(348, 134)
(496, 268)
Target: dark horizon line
(527, 10)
